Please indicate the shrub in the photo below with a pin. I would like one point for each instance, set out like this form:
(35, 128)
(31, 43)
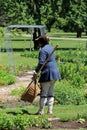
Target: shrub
(6, 122)
(73, 73)
(6, 78)
(76, 56)
(33, 54)
(64, 93)
(77, 80)
(22, 121)
(2, 31)
(83, 72)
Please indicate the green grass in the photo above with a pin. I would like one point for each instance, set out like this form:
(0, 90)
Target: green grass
(4, 58)
(20, 60)
(25, 42)
(70, 112)
(22, 42)
(17, 60)
(64, 113)
(68, 43)
(61, 42)
(64, 34)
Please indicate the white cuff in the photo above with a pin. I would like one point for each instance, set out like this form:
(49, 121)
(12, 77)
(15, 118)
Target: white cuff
(34, 72)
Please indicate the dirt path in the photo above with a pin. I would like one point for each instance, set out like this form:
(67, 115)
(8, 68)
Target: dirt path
(5, 91)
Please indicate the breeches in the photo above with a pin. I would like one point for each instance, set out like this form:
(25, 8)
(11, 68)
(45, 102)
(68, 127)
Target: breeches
(47, 89)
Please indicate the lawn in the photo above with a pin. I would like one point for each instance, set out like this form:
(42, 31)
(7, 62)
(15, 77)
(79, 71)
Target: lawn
(64, 43)
(15, 58)
(25, 41)
(63, 112)
(60, 34)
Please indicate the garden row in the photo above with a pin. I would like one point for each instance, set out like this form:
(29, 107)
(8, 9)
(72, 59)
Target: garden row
(23, 118)
(73, 68)
(22, 121)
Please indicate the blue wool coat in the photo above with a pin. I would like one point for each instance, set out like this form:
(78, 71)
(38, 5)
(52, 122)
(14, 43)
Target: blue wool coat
(50, 71)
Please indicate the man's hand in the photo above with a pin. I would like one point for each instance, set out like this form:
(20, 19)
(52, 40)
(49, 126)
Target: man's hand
(34, 76)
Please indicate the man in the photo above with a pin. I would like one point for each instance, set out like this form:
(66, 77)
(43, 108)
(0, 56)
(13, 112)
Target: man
(49, 74)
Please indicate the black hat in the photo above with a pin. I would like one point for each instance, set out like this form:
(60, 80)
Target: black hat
(42, 38)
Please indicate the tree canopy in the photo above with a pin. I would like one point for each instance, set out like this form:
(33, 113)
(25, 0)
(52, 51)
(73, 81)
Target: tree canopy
(68, 15)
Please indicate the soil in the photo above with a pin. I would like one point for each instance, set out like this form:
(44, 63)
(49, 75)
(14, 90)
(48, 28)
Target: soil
(14, 101)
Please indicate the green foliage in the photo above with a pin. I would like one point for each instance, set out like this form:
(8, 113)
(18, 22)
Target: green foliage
(77, 56)
(81, 120)
(68, 16)
(18, 12)
(81, 117)
(6, 78)
(22, 122)
(18, 91)
(33, 54)
(15, 32)
(83, 72)
(6, 122)
(14, 118)
(71, 65)
(64, 93)
(72, 73)
(77, 80)
(2, 31)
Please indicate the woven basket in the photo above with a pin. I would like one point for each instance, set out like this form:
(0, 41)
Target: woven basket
(31, 92)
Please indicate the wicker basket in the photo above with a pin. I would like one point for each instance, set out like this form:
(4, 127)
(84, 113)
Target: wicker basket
(31, 92)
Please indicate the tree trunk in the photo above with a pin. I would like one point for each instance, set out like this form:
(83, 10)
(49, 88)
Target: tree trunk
(79, 33)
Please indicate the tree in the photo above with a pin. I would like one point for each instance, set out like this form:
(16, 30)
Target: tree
(16, 12)
(79, 15)
(73, 15)
(67, 15)
(3, 16)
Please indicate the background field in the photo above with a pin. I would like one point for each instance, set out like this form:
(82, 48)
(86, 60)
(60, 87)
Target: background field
(20, 43)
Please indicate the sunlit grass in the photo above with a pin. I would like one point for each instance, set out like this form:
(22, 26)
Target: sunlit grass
(68, 43)
(70, 112)
(26, 42)
(63, 112)
(65, 34)
(15, 59)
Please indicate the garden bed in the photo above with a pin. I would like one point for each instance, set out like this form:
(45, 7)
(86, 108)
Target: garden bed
(14, 101)
(69, 125)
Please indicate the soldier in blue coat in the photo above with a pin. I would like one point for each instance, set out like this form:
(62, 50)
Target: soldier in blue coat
(49, 74)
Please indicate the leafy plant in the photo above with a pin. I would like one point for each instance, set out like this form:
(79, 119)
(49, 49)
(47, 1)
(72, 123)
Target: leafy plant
(65, 93)
(33, 54)
(73, 73)
(81, 120)
(18, 91)
(6, 78)
(6, 121)
(21, 122)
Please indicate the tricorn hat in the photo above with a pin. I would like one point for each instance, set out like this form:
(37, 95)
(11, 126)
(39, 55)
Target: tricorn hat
(42, 37)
